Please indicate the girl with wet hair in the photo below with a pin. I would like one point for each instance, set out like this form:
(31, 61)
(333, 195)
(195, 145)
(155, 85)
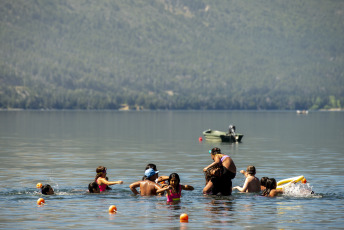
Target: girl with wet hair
(271, 190)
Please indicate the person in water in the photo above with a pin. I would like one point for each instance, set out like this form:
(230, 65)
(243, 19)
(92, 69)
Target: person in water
(148, 186)
(174, 188)
(263, 181)
(47, 190)
(101, 180)
(271, 190)
(252, 183)
(93, 187)
(221, 185)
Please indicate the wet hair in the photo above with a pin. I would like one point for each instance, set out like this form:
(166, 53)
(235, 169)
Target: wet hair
(218, 168)
(149, 166)
(92, 187)
(251, 170)
(99, 172)
(270, 185)
(215, 151)
(176, 176)
(45, 189)
(263, 181)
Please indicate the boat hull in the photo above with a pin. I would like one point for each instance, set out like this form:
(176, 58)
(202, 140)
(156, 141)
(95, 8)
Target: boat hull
(220, 136)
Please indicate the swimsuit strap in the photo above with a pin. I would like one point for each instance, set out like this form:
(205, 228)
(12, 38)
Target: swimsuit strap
(223, 157)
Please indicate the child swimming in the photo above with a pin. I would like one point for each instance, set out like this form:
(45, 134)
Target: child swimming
(174, 189)
(263, 183)
(252, 183)
(271, 190)
(101, 180)
(47, 190)
(93, 187)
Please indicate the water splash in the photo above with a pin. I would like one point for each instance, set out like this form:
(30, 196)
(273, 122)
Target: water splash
(299, 190)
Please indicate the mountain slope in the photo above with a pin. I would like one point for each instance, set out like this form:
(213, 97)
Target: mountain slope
(164, 54)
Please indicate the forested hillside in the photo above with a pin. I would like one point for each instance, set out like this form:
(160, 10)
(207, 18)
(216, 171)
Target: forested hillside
(171, 54)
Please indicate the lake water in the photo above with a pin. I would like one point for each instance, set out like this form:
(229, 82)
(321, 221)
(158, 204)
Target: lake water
(63, 149)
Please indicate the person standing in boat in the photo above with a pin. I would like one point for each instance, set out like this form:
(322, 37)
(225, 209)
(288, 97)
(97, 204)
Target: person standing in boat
(222, 184)
(231, 130)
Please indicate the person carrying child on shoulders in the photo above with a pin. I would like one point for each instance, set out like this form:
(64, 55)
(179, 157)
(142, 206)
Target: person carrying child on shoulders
(252, 183)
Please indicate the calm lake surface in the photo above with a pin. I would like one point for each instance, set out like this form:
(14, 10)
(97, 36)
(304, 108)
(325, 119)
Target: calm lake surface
(63, 149)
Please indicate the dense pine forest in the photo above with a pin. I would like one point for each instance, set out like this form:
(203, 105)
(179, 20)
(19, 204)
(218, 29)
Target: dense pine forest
(171, 54)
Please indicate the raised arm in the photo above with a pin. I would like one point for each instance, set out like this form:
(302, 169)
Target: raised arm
(217, 160)
(162, 190)
(162, 178)
(104, 181)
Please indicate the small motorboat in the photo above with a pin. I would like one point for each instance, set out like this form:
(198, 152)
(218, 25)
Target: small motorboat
(216, 135)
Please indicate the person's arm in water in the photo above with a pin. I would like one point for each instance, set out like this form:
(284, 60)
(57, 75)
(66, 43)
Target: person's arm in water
(133, 187)
(275, 192)
(244, 188)
(217, 160)
(104, 181)
(187, 187)
(208, 187)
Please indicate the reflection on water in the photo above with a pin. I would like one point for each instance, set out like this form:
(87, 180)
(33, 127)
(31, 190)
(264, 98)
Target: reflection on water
(63, 149)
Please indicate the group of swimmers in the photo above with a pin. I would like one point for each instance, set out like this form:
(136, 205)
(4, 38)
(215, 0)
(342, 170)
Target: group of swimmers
(218, 176)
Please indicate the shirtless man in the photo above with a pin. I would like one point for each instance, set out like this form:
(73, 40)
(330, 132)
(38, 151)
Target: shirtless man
(148, 187)
(252, 183)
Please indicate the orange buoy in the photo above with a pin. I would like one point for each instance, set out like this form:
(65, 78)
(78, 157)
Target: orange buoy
(304, 181)
(39, 185)
(40, 201)
(184, 217)
(200, 139)
(112, 209)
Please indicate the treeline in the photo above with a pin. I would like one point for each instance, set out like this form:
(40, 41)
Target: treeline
(163, 54)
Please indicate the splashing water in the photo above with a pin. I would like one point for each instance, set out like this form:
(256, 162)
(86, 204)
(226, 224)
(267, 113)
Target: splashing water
(299, 190)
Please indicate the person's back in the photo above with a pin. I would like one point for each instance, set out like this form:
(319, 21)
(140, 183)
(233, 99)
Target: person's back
(253, 184)
(148, 188)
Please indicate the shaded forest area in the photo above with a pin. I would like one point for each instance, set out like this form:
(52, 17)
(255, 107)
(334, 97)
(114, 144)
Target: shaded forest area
(171, 54)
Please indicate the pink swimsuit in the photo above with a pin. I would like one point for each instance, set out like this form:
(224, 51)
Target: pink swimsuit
(102, 187)
(175, 196)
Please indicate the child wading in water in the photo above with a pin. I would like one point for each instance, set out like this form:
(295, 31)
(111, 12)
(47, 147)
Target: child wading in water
(101, 179)
(263, 181)
(271, 190)
(252, 183)
(174, 189)
(47, 190)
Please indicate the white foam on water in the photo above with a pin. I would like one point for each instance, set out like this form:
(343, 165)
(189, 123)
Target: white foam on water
(299, 190)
